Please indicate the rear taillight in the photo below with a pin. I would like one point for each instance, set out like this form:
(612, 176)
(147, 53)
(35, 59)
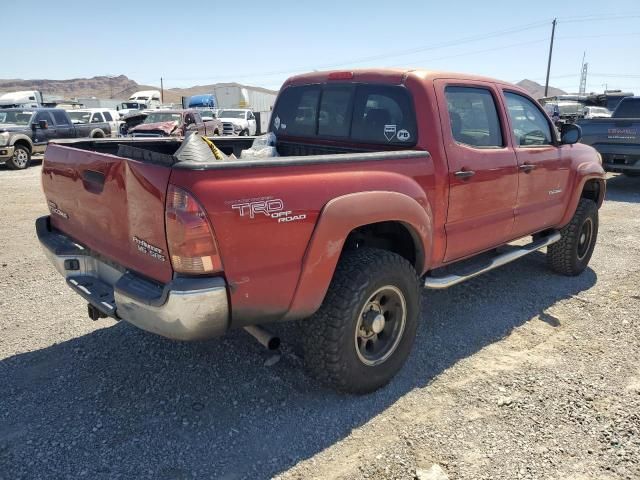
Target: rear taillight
(192, 245)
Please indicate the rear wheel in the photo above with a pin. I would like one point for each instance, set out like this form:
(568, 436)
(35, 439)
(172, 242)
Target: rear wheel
(20, 159)
(364, 330)
(571, 255)
(97, 134)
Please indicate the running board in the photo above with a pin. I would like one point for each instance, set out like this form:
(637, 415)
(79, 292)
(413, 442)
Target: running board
(447, 281)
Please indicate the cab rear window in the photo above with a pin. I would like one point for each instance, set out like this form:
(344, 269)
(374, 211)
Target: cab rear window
(362, 113)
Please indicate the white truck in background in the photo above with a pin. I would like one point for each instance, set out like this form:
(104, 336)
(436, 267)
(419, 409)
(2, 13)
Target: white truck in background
(247, 109)
(21, 99)
(151, 98)
(237, 121)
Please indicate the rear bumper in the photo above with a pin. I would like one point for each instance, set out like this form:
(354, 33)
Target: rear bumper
(6, 153)
(183, 309)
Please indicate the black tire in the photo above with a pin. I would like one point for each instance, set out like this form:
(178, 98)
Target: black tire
(98, 134)
(631, 174)
(20, 159)
(244, 133)
(571, 255)
(331, 337)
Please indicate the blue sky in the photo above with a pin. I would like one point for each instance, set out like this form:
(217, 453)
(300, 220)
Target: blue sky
(262, 43)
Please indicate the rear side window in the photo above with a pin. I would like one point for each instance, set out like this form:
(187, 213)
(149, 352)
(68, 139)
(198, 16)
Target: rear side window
(473, 117)
(60, 117)
(108, 117)
(97, 118)
(380, 114)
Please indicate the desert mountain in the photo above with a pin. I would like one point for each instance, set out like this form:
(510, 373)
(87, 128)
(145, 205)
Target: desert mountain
(537, 91)
(117, 87)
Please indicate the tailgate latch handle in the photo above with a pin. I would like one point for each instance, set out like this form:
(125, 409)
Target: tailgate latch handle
(93, 181)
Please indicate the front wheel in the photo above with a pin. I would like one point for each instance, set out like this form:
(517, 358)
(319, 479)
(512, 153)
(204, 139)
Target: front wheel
(244, 133)
(20, 159)
(364, 330)
(571, 254)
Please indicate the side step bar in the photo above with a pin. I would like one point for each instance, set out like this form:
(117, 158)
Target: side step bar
(447, 281)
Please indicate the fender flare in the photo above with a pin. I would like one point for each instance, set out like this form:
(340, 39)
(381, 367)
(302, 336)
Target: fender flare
(338, 219)
(22, 138)
(585, 172)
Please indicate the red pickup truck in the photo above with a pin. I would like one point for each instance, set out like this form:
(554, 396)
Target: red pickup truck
(176, 123)
(388, 181)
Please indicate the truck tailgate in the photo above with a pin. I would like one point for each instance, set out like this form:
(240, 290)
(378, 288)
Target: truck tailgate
(111, 205)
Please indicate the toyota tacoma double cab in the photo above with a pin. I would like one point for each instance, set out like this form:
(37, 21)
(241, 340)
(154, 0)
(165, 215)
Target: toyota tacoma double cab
(387, 182)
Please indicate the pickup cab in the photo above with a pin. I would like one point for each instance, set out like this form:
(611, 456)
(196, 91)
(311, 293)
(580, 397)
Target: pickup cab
(387, 182)
(616, 138)
(97, 118)
(173, 123)
(24, 132)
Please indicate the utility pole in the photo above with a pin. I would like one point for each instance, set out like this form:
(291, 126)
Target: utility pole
(161, 91)
(553, 32)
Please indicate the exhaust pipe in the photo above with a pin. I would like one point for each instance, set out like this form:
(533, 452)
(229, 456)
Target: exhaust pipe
(265, 337)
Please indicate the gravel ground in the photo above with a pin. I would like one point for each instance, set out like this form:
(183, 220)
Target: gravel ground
(517, 374)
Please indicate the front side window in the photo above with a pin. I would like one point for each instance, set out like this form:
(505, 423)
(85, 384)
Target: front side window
(42, 116)
(60, 117)
(474, 117)
(363, 113)
(108, 117)
(529, 125)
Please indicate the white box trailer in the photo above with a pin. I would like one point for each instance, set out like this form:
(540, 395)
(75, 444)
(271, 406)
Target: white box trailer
(259, 100)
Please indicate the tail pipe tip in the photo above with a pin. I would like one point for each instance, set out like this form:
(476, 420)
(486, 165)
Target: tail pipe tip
(264, 337)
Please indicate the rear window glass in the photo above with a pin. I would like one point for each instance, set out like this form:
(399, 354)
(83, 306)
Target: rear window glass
(628, 108)
(297, 111)
(381, 114)
(334, 119)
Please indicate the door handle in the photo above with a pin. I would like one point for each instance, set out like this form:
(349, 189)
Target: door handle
(465, 173)
(527, 167)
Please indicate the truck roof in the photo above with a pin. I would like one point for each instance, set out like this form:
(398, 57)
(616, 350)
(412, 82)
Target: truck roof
(386, 75)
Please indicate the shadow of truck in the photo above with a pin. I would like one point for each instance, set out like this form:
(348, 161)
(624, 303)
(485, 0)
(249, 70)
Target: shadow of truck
(122, 402)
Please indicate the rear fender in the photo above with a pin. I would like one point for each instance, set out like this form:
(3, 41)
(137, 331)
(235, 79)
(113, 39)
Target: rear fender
(339, 218)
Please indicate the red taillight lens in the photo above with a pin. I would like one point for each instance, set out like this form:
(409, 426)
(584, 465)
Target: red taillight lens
(192, 245)
(340, 76)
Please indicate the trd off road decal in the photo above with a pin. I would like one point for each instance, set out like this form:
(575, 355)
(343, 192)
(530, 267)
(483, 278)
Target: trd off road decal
(270, 207)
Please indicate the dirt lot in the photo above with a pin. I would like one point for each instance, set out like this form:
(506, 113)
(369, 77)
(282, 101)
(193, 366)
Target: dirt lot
(517, 374)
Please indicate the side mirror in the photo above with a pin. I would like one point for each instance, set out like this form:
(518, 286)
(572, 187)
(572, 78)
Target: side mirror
(43, 124)
(570, 134)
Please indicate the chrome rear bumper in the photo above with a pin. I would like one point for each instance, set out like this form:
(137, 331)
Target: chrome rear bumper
(183, 309)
